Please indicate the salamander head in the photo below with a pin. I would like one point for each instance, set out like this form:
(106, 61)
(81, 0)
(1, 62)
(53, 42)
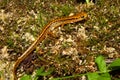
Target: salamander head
(81, 16)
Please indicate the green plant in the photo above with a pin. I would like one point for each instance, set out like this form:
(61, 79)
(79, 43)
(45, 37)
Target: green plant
(87, 1)
(104, 69)
(39, 72)
(102, 74)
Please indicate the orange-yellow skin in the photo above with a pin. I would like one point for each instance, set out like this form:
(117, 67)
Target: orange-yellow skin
(50, 26)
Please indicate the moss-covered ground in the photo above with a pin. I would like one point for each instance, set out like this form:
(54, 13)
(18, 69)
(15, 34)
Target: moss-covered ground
(73, 48)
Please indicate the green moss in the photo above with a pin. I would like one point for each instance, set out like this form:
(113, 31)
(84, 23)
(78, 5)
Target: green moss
(10, 42)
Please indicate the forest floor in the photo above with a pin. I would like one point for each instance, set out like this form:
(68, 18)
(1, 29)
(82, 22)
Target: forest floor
(74, 49)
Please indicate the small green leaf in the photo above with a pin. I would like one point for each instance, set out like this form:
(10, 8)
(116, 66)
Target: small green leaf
(104, 76)
(92, 76)
(35, 78)
(101, 63)
(47, 72)
(39, 71)
(87, 1)
(98, 76)
(115, 64)
(26, 77)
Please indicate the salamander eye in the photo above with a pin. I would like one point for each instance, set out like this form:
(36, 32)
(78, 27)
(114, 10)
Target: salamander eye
(82, 16)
